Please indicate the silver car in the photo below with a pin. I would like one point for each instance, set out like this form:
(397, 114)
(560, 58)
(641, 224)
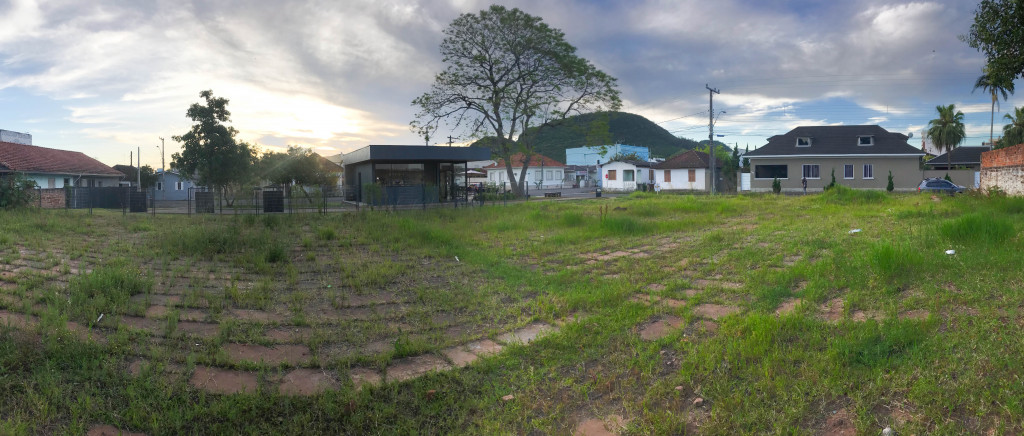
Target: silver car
(939, 185)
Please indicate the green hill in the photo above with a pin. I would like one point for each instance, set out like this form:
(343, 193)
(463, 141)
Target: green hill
(603, 128)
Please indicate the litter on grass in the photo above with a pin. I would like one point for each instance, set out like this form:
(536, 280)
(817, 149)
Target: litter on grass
(854, 231)
(951, 252)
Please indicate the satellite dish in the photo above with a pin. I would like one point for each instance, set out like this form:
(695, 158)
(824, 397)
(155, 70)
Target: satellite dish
(911, 135)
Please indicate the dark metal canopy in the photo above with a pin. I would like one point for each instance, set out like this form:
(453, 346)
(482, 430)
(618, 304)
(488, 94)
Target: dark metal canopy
(417, 153)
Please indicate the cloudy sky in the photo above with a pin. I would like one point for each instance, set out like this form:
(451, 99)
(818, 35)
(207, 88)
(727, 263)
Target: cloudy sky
(105, 77)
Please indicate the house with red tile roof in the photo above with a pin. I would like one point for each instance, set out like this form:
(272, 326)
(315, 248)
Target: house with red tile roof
(689, 171)
(543, 172)
(53, 168)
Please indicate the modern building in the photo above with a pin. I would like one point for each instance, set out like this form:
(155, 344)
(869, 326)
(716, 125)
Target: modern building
(599, 155)
(861, 157)
(408, 174)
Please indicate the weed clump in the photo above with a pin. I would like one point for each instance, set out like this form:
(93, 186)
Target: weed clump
(894, 261)
(106, 289)
(980, 227)
(872, 344)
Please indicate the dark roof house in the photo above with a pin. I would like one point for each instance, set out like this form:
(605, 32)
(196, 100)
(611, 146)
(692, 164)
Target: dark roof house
(958, 157)
(859, 156)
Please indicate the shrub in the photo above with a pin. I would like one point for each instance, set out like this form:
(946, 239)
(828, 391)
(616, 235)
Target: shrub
(947, 178)
(889, 187)
(16, 191)
(776, 185)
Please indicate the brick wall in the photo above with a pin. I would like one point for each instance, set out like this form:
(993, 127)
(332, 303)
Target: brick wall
(52, 199)
(1004, 168)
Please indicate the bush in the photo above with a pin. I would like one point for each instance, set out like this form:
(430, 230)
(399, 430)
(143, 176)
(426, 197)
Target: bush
(16, 191)
(889, 187)
(831, 184)
(776, 185)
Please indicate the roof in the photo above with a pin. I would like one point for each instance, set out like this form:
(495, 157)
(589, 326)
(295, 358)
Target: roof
(960, 156)
(414, 153)
(634, 162)
(537, 160)
(690, 159)
(34, 159)
(838, 141)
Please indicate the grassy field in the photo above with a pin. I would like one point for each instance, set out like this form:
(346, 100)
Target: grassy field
(666, 314)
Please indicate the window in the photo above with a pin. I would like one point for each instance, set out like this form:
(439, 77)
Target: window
(650, 175)
(159, 186)
(771, 171)
(551, 175)
(668, 175)
(811, 172)
(52, 183)
(865, 140)
(538, 175)
(627, 176)
(803, 142)
(692, 175)
(869, 171)
(847, 171)
(177, 186)
(611, 174)
(67, 181)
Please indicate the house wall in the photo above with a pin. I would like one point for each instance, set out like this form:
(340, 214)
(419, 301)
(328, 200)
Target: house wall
(906, 173)
(681, 179)
(553, 177)
(963, 178)
(170, 191)
(43, 180)
(1004, 169)
(592, 155)
(641, 176)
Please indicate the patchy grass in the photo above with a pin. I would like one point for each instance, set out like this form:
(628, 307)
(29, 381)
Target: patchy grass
(888, 327)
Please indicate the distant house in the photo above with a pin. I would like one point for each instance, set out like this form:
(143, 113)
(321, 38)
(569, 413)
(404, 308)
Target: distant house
(542, 172)
(960, 157)
(408, 174)
(599, 155)
(688, 171)
(861, 156)
(51, 168)
(626, 175)
(171, 186)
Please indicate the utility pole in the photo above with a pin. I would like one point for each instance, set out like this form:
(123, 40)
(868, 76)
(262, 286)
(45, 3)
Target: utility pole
(450, 140)
(711, 133)
(163, 186)
(138, 168)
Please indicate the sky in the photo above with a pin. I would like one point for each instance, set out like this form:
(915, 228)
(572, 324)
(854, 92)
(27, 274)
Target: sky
(109, 77)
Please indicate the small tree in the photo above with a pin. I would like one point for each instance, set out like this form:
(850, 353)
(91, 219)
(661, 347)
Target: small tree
(776, 185)
(210, 155)
(832, 184)
(889, 187)
(16, 191)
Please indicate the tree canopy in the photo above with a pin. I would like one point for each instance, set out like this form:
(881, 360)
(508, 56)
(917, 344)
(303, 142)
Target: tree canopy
(996, 86)
(1013, 133)
(947, 131)
(210, 155)
(998, 32)
(505, 72)
(298, 165)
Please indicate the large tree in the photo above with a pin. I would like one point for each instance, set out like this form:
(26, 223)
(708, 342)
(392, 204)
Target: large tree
(1013, 133)
(210, 155)
(506, 71)
(947, 131)
(998, 32)
(996, 86)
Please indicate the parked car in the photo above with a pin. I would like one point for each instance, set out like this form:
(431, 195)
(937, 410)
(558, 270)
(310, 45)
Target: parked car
(936, 184)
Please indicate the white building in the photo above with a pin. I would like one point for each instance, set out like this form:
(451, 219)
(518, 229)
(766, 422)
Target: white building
(541, 173)
(625, 175)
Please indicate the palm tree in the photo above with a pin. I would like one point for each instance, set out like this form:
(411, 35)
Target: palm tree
(995, 86)
(947, 131)
(1013, 133)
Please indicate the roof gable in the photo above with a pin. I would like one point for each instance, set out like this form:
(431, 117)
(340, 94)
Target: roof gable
(960, 156)
(34, 159)
(837, 140)
(690, 159)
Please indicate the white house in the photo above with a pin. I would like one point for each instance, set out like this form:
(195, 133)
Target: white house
(684, 172)
(625, 175)
(542, 172)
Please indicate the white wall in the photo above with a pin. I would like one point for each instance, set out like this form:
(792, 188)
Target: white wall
(552, 177)
(681, 179)
(640, 176)
(43, 180)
